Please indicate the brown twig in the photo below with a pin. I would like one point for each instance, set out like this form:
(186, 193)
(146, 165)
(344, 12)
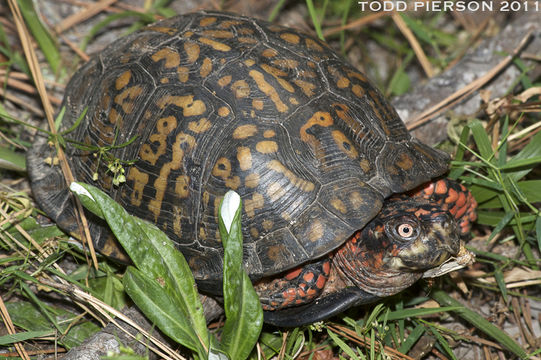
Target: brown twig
(83, 15)
(408, 34)
(469, 89)
(357, 23)
(33, 64)
(11, 330)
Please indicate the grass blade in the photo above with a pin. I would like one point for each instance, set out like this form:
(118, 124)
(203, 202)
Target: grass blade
(480, 323)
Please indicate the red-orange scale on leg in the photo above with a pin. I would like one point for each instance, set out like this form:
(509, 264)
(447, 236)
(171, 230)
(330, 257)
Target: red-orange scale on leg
(300, 285)
(452, 197)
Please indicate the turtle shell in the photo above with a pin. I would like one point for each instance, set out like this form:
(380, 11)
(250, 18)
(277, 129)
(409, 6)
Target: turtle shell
(207, 102)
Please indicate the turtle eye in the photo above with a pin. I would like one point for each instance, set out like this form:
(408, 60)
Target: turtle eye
(405, 230)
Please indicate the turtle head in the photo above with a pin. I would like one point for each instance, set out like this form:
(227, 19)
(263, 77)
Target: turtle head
(407, 238)
(417, 235)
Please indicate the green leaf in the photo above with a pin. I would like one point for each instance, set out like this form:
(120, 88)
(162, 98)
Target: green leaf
(521, 163)
(400, 82)
(41, 34)
(412, 338)
(74, 330)
(538, 231)
(410, 313)
(154, 300)
(457, 171)
(532, 150)
(501, 224)
(155, 255)
(480, 323)
(244, 315)
(481, 139)
(342, 345)
(498, 275)
(11, 160)
(443, 342)
(23, 336)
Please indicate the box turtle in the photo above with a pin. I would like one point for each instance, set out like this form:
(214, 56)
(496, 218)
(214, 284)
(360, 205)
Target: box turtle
(198, 104)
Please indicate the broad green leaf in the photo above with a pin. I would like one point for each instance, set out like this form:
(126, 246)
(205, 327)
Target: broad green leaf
(532, 150)
(481, 139)
(487, 217)
(154, 300)
(400, 82)
(243, 312)
(11, 160)
(28, 317)
(153, 253)
(480, 323)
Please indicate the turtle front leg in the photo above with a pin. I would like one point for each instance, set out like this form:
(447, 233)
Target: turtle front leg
(298, 286)
(453, 197)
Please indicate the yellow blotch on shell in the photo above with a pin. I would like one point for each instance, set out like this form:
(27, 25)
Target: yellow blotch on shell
(269, 133)
(189, 106)
(294, 179)
(183, 74)
(206, 67)
(344, 144)
(216, 45)
(343, 82)
(172, 58)
(139, 181)
(218, 34)
(339, 205)
(223, 81)
(268, 90)
(241, 89)
(244, 131)
(257, 104)
(224, 111)
(206, 21)
(251, 180)
(404, 162)
(356, 200)
(192, 51)
(316, 231)
(126, 99)
(199, 126)
(275, 191)
(269, 53)
(244, 156)
(290, 38)
(182, 186)
(357, 90)
(313, 45)
(123, 80)
(267, 224)
(266, 147)
(306, 87)
(251, 205)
